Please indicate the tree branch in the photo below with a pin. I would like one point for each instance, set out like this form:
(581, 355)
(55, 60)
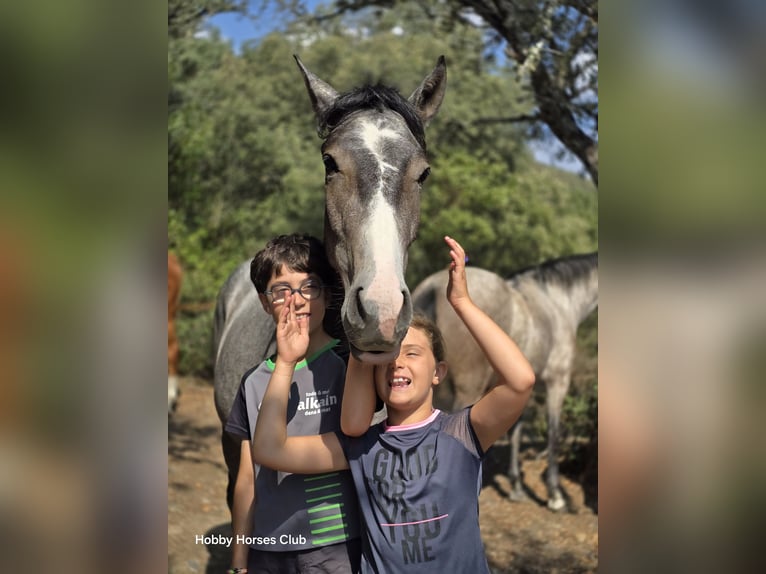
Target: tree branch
(510, 120)
(559, 118)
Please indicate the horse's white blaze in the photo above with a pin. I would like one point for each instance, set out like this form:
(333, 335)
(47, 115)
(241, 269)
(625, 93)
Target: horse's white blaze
(373, 137)
(384, 254)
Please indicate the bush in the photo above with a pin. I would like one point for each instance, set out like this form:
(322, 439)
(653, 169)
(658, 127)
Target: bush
(195, 338)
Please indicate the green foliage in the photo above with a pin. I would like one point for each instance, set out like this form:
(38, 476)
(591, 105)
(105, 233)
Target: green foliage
(185, 16)
(195, 358)
(579, 418)
(580, 414)
(505, 220)
(578, 426)
(551, 48)
(244, 162)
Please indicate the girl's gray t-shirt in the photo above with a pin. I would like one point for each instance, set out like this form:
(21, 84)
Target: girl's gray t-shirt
(418, 488)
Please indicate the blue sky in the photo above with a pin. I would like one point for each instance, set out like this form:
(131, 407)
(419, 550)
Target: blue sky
(238, 29)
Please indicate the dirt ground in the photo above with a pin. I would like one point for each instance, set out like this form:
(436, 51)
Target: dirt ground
(518, 537)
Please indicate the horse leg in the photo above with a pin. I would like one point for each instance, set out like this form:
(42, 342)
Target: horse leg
(173, 357)
(231, 454)
(172, 393)
(517, 493)
(174, 294)
(556, 391)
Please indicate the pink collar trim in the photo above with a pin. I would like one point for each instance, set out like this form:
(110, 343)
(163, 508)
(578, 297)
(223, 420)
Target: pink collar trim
(399, 428)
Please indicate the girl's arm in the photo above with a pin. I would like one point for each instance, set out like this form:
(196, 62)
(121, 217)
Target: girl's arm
(359, 397)
(271, 445)
(242, 509)
(496, 411)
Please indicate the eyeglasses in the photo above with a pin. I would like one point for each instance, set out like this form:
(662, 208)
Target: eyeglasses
(308, 291)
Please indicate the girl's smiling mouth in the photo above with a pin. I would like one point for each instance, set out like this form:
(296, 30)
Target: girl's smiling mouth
(399, 383)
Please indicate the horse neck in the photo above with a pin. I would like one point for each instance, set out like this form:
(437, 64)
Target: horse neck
(579, 298)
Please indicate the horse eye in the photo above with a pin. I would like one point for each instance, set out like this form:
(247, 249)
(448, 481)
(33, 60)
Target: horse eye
(329, 164)
(424, 175)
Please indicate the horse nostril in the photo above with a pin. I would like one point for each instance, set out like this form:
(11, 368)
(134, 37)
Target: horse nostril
(360, 304)
(406, 300)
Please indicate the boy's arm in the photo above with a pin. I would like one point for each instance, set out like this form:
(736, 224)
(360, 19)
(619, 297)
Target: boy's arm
(242, 510)
(496, 411)
(359, 397)
(271, 445)
(299, 454)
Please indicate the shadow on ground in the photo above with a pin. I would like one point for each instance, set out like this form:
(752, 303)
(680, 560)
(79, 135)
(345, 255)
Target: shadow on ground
(533, 559)
(219, 555)
(186, 441)
(498, 462)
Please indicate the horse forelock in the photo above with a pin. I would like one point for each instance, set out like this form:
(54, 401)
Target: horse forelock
(378, 98)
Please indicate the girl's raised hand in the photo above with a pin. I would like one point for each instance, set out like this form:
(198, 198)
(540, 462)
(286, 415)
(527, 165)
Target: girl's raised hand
(457, 288)
(292, 334)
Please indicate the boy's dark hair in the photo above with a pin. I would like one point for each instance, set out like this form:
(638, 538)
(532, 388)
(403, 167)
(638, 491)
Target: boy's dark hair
(301, 253)
(304, 254)
(422, 322)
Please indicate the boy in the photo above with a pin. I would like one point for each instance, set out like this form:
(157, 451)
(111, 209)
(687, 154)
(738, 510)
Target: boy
(416, 474)
(290, 523)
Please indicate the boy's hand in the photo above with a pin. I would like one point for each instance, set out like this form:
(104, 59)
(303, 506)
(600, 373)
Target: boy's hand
(292, 335)
(457, 288)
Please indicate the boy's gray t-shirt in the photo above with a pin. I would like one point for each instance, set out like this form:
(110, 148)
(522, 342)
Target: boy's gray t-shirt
(292, 511)
(418, 488)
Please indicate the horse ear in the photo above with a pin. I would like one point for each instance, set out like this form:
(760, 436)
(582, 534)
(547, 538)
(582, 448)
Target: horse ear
(321, 93)
(430, 93)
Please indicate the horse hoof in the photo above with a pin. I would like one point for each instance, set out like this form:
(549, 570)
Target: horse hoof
(557, 504)
(518, 496)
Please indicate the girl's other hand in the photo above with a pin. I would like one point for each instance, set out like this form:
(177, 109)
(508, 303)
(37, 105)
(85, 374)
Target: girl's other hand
(457, 288)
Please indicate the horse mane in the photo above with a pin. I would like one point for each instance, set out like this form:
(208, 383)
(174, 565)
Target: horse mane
(566, 271)
(378, 97)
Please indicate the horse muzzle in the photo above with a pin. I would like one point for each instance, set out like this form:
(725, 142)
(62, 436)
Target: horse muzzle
(374, 357)
(374, 327)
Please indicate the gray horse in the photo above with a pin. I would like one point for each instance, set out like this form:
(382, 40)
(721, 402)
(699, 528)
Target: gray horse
(374, 153)
(541, 308)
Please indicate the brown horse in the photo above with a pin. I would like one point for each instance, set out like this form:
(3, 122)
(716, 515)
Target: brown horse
(174, 292)
(541, 308)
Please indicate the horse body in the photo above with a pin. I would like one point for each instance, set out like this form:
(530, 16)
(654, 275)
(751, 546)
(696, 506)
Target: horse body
(541, 309)
(375, 164)
(243, 336)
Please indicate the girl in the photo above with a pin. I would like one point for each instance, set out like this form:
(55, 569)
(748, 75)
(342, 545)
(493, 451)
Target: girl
(417, 474)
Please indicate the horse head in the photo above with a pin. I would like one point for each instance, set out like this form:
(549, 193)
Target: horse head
(374, 153)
